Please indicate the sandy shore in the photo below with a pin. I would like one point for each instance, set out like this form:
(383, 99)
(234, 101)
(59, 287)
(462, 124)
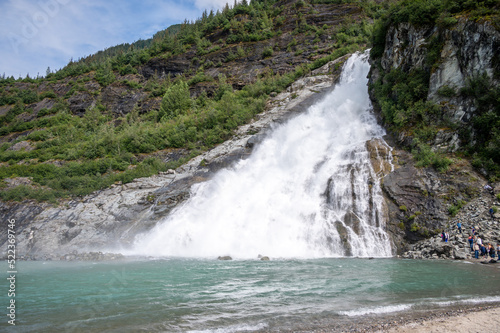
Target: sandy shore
(483, 320)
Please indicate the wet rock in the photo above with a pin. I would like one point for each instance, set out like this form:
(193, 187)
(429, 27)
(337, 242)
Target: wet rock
(224, 258)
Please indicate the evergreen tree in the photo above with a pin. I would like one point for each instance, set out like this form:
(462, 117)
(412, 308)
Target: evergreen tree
(176, 101)
(104, 75)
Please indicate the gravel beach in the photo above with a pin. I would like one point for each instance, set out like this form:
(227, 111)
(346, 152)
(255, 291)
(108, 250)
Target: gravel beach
(465, 318)
(480, 320)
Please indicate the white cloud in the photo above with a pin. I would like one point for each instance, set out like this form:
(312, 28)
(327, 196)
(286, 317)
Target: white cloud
(212, 4)
(37, 34)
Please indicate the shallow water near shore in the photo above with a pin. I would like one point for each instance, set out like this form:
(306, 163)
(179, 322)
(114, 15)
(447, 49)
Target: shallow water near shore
(206, 295)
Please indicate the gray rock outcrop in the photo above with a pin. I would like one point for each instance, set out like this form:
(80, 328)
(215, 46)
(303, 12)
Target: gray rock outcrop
(468, 49)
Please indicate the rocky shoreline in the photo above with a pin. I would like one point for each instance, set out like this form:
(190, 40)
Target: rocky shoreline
(473, 214)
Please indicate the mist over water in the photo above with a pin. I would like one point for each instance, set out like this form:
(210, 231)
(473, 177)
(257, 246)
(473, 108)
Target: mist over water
(307, 191)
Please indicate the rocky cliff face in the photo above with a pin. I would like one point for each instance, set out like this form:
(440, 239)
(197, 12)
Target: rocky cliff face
(464, 51)
(420, 199)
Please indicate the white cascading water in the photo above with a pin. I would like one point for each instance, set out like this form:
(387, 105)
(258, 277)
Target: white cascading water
(307, 191)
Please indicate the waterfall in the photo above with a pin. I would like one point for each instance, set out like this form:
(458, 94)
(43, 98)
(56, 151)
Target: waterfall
(307, 191)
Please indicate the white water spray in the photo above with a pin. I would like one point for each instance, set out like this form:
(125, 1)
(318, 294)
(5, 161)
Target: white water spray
(307, 191)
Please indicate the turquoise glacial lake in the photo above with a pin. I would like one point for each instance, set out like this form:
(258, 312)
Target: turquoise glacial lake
(203, 295)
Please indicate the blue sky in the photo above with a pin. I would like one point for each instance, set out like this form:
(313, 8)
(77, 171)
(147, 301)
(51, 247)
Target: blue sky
(36, 34)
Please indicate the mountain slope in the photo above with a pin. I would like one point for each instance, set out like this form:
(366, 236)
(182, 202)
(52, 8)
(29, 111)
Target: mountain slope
(105, 119)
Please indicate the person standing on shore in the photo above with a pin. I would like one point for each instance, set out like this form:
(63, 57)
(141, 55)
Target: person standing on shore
(471, 243)
(459, 226)
(484, 251)
(476, 251)
(492, 213)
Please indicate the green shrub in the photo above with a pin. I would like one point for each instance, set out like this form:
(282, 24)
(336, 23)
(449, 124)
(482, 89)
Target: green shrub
(48, 94)
(268, 52)
(127, 69)
(132, 84)
(199, 77)
(176, 101)
(28, 96)
(453, 209)
(24, 192)
(446, 91)
(445, 21)
(104, 75)
(44, 112)
(230, 57)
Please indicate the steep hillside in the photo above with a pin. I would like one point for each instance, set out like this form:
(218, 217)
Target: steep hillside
(120, 115)
(435, 82)
(436, 78)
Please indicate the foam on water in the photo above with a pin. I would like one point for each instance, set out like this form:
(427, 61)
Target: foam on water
(234, 328)
(376, 310)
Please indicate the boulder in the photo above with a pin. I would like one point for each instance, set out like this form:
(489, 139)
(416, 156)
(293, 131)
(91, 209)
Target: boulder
(459, 255)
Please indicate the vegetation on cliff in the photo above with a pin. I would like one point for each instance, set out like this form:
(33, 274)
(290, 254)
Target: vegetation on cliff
(402, 94)
(122, 113)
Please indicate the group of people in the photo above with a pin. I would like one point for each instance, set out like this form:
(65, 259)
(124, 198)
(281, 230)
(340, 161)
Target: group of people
(476, 243)
(483, 250)
(445, 236)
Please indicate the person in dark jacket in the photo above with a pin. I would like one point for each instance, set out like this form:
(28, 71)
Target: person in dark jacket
(471, 243)
(483, 250)
(491, 251)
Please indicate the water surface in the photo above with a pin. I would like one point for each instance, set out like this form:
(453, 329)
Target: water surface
(182, 295)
